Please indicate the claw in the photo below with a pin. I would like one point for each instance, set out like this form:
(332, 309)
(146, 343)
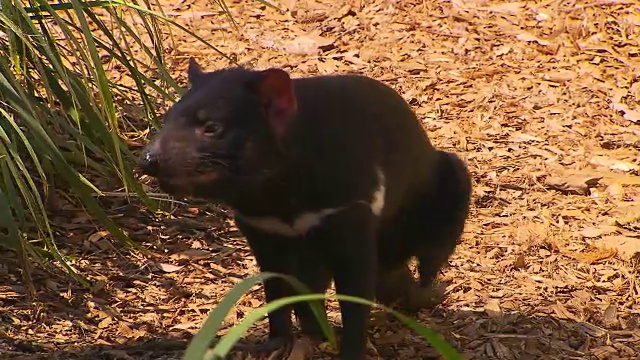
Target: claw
(270, 349)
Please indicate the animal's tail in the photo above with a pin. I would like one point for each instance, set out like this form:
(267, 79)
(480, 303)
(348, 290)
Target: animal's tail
(446, 209)
(453, 194)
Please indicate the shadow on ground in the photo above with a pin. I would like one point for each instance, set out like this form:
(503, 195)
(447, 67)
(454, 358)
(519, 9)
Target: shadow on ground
(512, 336)
(148, 304)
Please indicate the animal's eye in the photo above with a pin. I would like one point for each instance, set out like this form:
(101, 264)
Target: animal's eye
(212, 128)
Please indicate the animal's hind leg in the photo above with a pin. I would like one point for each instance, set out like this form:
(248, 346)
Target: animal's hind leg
(428, 228)
(411, 236)
(400, 240)
(398, 288)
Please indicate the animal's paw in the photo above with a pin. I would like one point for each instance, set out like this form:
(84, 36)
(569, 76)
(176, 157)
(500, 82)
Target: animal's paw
(420, 297)
(275, 348)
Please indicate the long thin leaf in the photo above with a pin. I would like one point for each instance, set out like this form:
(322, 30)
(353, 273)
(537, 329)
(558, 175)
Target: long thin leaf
(200, 343)
(227, 342)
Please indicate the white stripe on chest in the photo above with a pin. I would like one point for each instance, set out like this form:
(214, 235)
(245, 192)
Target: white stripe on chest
(308, 220)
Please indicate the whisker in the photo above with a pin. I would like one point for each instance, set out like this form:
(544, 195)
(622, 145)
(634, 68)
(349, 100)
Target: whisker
(214, 159)
(215, 162)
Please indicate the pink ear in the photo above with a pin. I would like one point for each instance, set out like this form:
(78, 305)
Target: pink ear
(275, 88)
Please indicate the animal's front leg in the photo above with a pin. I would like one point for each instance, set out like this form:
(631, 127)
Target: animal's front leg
(352, 252)
(312, 272)
(273, 254)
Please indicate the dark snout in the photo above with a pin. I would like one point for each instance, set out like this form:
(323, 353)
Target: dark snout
(149, 162)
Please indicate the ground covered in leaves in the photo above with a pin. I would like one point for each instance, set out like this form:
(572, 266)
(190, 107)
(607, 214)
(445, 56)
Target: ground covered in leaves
(542, 99)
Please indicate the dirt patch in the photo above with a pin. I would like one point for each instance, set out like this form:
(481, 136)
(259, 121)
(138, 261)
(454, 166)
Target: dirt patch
(541, 98)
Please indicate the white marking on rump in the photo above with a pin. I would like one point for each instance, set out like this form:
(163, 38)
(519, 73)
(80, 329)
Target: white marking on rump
(377, 202)
(308, 220)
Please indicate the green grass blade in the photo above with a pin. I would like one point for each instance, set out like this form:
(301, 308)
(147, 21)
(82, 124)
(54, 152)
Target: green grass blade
(11, 239)
(226, 343)
(200, 343)
(65, 6)
(176, 24)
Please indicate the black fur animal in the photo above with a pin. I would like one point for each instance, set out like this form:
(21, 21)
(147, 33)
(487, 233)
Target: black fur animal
(329, 177)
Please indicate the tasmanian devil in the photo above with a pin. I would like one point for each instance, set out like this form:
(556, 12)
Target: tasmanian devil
(329, 177)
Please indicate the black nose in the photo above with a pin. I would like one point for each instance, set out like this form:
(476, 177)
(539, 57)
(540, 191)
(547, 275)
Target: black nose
(149, 164)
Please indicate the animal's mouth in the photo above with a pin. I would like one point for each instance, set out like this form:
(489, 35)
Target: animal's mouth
(185, 185)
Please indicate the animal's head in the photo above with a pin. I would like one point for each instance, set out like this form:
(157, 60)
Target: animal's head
(224, 134)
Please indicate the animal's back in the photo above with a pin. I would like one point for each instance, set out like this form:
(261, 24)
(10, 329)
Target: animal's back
(382, 132)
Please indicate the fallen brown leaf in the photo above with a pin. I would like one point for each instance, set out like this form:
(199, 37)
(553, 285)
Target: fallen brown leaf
(592, 232)
(169, 268)
(522, 91)
(613, 164)
(192, 254)
(492, 308)
(308, 44)
(573, 184)
(610, 314)
(627, 247)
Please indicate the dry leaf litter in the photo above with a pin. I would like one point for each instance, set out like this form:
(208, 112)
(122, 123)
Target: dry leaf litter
(541, 98)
